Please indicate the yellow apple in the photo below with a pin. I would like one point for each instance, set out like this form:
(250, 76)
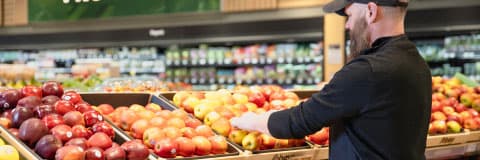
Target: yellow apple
(136, 107)
(249, 142)
(8, 152)
(179, 97)
(252, 107)
(211, 117)
(189, 103)
(240, 98)
(222, 126)
(237, 136)
(201, 110)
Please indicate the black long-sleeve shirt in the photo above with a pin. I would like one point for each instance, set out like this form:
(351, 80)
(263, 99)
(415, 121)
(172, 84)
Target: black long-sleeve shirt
(377, 106)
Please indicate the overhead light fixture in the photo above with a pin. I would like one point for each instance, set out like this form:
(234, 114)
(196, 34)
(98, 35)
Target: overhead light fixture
(86, 0)
(66, 1)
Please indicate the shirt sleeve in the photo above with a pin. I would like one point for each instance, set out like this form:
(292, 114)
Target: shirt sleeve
(344, 96)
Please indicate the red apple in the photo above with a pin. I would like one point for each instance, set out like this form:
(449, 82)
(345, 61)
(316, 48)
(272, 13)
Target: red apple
(70, 152)
(135, 150)
(81, 142)
(257, 98)
(62, 107)
(52, 120)
(72, 96)
(83, 107)
(473, 112)
(439, 116)
(5, 122)
(73, 118)
(320, 137)
(101, 140)
(105, 109)
(219, 144)
(436, 106)
(440, 126)
(62, 132)
(186, 148)
(166, 148)
(266, 142)
(188, 132)
(138, 127)
(103, 127)
(80, 131)
(172, 132)
(448, 110)
(460, 108)
(50, 100)
(202, 145)
(31, 91)
(29, 102)
(157, 122)
(14, 131)
(92, 117)
(52, 88)
(44, 110)
(465, 115)
(192, 122)
(7, 114)
(19, 115)
(47, 146)
(152, 135)
(115, 153)
(10, 97)
(204, 131)
(455, 117)
(470, 124)
(94, 153)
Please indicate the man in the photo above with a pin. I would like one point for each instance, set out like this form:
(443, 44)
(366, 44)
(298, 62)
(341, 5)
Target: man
(378, 105)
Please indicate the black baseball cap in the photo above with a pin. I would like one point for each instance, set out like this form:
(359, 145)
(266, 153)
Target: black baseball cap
(338, 6)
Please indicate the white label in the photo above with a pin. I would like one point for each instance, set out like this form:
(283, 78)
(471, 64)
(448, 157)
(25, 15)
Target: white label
(300, 59)
(299, 80)
(254, 61)
(203, 61)
(221, 80)
(289, 81)
(259, 81)
(211, 61)
(184, 62)
(281, 60)
(308, 59)
(227, 61)
(202, 80)
(289, 60)
(169, 62)
(249, 81)
(238, 81)
(230, 80)
(177, 62)
(269, 60)
(262, 60)
(317, 80)
(194, 62)
(246, 61)
(211, 80)
(269, 81)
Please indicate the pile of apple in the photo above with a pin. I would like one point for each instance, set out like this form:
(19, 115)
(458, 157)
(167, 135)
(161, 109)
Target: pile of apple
(60, 125)
(169, 133)
(216, 108)
(455, 106)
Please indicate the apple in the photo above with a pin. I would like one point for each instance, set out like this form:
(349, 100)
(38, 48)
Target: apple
(277, 96)
(257, 98)
(251, 107)
(476, 104)
(115, 153)
(202, 109)
(153, 107)
(188, 132)
(236, 136)
(277, 105)
(135, 150)
(81, 142)
(454, 127)
(146, 114)
(31, 91)
(222, 126)
(73, 118)
(470, 124)
(219, 144)
(105, 128)
(94, 153)
(211, 117)
(70, 152)
(52, 88)
(186, 147)
(127, 118)
(266, 142)
(50, 100)
(192, 122)
(157, 122)
(204, 130)
(63, 132)
(240, 107)
(165, 114)
(43, 110)
(72, 96)
(189, 104)
(436, 106)
(19, 115)
(79, 131)
(52, 120)
(473, 112)
(448, 110)
(10, 98)
(440, 126)
(31, 131)
(62, 107)
(176, 122)
(240, 98)
(455, 117)
(29, 102)
(166, 148)
(249, 142)
(228, 114)
(439, 116)
(105, 109)
(465, 115)
(282, 143)
(15, 132)
(5, 122)
(47, 146)
(101, 140)
(92, 117)
(152, 135)
(7, 114)
(179, 97)
(202, 145)
(83, 107)
(466, 99)
(320, 137)
(460, 108)
(172, 132)
(138, 127)
(180, 113)
(438, 96)
(136, 107)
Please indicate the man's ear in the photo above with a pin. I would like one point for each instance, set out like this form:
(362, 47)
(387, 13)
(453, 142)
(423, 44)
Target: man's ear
(372, 12)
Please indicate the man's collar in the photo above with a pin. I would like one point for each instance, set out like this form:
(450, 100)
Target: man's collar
(381, 42)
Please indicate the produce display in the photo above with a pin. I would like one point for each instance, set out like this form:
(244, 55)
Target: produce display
(148, 84)
(168, 133)
(455, 106)
(216, 108)
(8, 152)
(60, 125)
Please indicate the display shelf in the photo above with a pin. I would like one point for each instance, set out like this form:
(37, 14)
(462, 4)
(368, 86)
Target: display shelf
(245, 62)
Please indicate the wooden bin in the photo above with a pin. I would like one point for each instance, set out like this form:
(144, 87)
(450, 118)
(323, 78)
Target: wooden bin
(247, 5)
(447, 139)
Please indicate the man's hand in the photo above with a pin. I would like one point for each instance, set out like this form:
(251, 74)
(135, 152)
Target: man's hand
(253, 122)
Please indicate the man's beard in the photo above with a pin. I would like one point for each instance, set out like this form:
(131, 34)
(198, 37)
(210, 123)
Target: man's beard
(359, 39)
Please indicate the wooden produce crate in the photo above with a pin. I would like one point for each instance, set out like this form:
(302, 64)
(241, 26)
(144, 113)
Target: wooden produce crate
(473, 136)
(25, 152)
(321, 153)
(297, 154)
(445, 152)
(447, 139)
(247, 5)
(127, 99)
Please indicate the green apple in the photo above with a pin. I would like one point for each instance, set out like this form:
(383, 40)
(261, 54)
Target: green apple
(237, 136)
(249, 142)
(454, 127)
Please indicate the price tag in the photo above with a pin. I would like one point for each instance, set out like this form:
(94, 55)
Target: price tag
(219, 61)
(254, 61)
(281, 60)
(169, 62)
(238, 81)
(308, 59)
(203, 61)
(280, 81)
(184, 62)
(249, 81)
(259, 81)
(300, 80)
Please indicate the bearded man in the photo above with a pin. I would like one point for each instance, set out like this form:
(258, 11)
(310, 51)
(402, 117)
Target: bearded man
(378, 105)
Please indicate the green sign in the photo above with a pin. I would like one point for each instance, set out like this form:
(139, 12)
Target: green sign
(71, 10)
